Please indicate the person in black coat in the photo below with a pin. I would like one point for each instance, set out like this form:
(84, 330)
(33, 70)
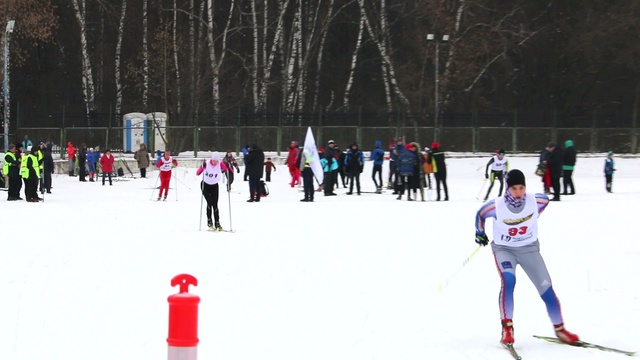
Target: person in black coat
(554, 162)
(440, 170)
(331, 176)
(254, 161)
(48, 167)
(82, 161)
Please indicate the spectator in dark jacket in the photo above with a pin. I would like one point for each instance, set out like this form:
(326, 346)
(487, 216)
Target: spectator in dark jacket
(407, 162)
(254, 161)
(440, 170)
(330, 177)
(48, 167)
(82, 161)
(543, 170)
(555, 169)
(377, 156)
(354, 164)
(568, 164)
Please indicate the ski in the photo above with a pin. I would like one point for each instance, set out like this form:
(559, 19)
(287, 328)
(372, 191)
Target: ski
(220, 230)
(584, 344)
(512, 351)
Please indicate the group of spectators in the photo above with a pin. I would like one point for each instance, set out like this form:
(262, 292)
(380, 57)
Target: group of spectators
(410, 169)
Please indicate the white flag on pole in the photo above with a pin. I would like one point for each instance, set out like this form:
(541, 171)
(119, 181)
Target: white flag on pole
(310, 152)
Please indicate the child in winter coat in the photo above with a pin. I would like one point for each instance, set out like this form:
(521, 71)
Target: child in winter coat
(609, 168)
(268, 165)
(92, 159)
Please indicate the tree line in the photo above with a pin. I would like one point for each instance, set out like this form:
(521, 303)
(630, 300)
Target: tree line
(202, 60)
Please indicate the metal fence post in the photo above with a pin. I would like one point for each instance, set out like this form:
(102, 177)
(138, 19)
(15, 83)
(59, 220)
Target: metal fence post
(475, 132)
(279, 133)
(514, 132)
(195, 141)
(359, 129)
(238, 146)
(594, 135)
(320, 128)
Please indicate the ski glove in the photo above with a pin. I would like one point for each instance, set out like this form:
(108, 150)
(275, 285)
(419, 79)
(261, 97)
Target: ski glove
(482, 239)
(486, 176)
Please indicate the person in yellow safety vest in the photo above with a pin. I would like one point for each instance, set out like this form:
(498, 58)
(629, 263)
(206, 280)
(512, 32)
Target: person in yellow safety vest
(11, 168)
(31, 174)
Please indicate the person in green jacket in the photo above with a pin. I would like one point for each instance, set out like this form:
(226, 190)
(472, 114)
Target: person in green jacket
(568, 163)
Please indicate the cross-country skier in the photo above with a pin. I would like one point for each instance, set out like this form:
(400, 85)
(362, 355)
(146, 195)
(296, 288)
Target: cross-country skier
(499, 166)
(515, 242)
(212, 169)
(165, 164)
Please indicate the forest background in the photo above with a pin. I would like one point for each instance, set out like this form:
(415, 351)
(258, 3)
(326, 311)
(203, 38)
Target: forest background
(211, 63)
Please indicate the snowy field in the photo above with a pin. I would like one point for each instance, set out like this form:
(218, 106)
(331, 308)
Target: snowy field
(86, 274)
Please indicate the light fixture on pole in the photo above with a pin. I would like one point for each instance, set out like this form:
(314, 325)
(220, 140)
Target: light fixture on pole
(436, 125)
(7, 36)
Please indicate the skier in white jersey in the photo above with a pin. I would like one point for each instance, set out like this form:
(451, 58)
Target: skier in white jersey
(499, 166)
(515, 242)
(212, 169)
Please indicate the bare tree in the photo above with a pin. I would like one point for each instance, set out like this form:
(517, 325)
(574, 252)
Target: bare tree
(118, 79)
(88, 89)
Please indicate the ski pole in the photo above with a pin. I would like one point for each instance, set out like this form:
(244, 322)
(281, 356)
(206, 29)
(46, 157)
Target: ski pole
(484, 182)
(201, 201)
(229, 197)
(443, 285)
(176, 177)
(154, 186)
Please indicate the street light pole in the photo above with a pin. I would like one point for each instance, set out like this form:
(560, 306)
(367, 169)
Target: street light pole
(7, 36)
(436, 125)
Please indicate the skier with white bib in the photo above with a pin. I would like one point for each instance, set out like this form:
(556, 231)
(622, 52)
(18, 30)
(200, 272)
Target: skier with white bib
(213, 173)
(499, 166)
(515, 242)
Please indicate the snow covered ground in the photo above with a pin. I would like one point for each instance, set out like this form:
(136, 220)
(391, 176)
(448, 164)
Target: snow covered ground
(86, 274)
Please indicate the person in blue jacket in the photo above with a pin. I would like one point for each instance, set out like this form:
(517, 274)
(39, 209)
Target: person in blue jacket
(92, 160)
(377, 156)
(159, 155)
(609, 168)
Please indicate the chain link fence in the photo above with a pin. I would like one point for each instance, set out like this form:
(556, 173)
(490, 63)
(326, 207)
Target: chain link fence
(277, 138)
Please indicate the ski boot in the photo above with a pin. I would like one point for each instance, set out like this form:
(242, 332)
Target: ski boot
(210, 224)
(564, 335)
(507, 331)
(158, 199)
(218, 227)
(165, 198)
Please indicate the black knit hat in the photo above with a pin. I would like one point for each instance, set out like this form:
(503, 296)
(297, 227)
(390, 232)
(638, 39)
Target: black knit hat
(515, 177)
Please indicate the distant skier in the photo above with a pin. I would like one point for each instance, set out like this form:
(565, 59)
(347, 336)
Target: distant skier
(499, 166)
(166, 163)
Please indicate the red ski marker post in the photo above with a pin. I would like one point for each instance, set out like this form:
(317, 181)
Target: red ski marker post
(183, 320)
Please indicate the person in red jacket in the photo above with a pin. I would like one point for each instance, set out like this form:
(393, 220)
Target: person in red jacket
(165, 164)
(106, 162)
(292, 159)
(71, 155)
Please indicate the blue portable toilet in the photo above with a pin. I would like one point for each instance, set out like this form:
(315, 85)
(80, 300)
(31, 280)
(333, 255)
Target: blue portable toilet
(134, 132)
